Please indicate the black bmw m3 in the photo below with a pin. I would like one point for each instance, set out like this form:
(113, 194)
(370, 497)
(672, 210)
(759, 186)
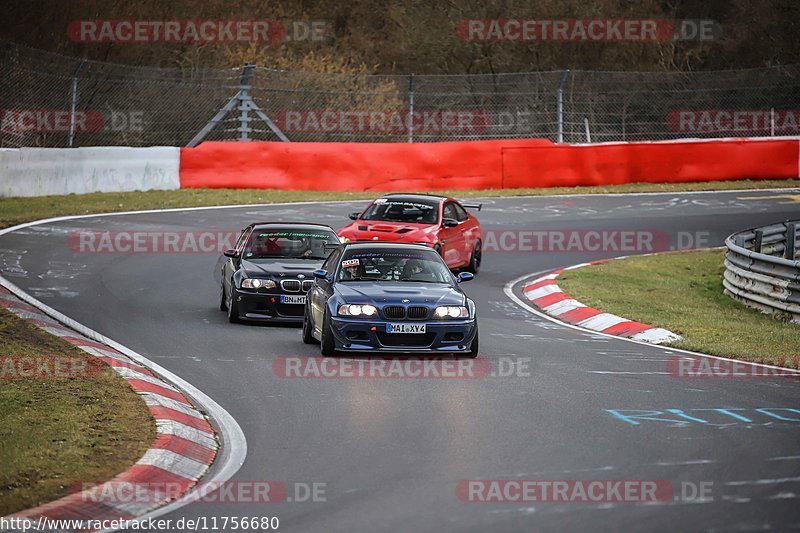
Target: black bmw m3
(267, 275)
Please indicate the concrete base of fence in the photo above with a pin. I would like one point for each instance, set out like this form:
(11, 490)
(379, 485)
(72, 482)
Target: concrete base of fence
(46, 171)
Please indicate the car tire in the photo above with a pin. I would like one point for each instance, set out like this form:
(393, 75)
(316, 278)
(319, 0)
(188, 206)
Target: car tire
(437, 248)
(223, 304)
(233, 309)
(308, 336)
(327, 346)
(473, 348)
(475, 258)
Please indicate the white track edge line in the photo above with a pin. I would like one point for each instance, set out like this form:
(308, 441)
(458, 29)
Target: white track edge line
(232, 452)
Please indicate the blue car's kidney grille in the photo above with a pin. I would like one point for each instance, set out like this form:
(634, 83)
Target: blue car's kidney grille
(417, 312)
(394, 311)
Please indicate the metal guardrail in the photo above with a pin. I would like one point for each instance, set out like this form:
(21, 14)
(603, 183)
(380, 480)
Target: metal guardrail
(762, 270)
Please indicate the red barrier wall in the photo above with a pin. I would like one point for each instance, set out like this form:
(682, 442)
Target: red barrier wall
(479, 164)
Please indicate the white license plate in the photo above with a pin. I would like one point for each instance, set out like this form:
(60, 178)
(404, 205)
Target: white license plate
(290, 299)
(405, 328)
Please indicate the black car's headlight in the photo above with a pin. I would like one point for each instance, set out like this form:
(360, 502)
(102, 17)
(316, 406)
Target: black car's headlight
(357, 310)
(451, 311)
(255, 283)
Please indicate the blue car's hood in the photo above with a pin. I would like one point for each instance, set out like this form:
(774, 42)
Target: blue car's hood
(388, 293)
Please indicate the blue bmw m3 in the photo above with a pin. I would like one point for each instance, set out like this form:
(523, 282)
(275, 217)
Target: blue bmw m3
(389, 297)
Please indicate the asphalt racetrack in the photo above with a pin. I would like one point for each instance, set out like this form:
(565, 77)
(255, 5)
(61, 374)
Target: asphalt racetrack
(389, 453)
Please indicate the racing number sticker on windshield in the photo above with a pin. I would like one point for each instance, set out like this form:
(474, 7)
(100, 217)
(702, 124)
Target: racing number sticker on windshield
(350, 262)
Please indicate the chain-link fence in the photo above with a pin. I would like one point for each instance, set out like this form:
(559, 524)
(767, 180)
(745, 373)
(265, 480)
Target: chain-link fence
(57, 101)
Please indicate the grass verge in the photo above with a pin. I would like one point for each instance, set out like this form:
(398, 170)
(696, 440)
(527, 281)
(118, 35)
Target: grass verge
(77, 422)
(18, 210)
(682, 292)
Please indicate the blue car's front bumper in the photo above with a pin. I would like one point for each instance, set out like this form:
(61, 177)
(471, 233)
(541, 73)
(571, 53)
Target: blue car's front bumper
(441, 336)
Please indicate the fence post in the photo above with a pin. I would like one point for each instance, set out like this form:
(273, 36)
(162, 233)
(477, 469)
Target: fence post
(791, 232)
(410, 117)
(244, 108)
(759, 238)
(560, 106)
(74, 102)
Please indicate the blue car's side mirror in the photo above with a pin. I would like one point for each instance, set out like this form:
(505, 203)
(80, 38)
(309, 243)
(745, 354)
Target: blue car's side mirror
(465, 276)
(321, 274)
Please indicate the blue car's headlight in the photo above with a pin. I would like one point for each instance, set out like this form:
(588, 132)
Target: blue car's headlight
(451, 311)
(357, 310)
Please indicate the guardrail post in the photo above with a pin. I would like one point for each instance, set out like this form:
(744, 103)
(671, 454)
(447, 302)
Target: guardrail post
(791, 232)
(757, 241)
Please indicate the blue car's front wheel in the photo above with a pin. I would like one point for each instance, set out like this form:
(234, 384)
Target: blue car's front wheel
(473, 348)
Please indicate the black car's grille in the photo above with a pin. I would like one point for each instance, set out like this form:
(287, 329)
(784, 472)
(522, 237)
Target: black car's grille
(416, 340)
(417, 312)
(394, 311)
(307, 284)
(290, 285)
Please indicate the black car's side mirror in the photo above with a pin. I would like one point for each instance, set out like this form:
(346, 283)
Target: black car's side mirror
(231, 253)
(354, 216)
(449, 222)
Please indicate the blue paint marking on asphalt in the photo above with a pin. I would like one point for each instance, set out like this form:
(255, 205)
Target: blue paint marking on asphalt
(682, 417)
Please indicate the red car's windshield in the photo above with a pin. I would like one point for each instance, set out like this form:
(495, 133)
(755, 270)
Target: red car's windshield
(415, 212)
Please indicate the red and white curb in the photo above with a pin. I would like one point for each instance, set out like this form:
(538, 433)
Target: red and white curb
(545, 294)
(183, 451)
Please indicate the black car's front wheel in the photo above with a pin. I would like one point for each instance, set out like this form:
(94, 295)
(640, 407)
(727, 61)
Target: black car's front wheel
(233, 308)
(223, 302)
(327, 346)
(308, 335)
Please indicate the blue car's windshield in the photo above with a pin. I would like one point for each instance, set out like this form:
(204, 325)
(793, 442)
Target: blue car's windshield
(421, 266)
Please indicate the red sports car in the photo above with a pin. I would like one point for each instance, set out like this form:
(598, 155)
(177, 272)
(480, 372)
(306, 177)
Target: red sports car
(437, 221)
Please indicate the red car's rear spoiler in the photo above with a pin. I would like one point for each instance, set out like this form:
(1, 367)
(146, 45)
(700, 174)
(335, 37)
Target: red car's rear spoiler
(472, 205)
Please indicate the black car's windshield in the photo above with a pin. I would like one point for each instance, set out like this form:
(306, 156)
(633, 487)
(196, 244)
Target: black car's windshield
(396, 210)
(284, 243)
(421, 266)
